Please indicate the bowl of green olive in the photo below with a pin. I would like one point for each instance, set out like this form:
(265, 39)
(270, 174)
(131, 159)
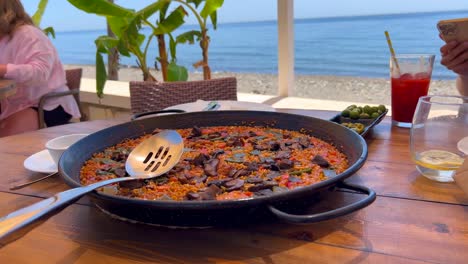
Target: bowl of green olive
(361, 118)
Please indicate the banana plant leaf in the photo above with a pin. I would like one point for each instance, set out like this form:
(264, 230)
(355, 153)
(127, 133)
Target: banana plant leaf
(173, 21)
(176, 73)
(101, 7)
(37, 17)
(49, 31)
(210, 7)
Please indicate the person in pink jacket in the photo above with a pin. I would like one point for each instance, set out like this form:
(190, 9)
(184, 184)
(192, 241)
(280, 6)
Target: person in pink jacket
(28, 57)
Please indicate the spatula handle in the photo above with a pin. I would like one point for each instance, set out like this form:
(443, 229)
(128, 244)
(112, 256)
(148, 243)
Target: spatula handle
(17, 224)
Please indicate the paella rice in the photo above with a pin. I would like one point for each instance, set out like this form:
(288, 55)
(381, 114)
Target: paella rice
(224, 163)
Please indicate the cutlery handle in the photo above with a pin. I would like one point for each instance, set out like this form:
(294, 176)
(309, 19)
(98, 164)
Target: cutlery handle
(17, 224)
(175, 111)
(22, 185)
(211, 106)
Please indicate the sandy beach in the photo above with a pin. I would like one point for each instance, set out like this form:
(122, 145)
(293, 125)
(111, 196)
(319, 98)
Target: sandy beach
(336, 88)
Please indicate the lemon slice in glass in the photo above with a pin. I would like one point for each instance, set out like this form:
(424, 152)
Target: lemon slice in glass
(439, 160)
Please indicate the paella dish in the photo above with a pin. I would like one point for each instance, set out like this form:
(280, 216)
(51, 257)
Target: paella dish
(224, 163)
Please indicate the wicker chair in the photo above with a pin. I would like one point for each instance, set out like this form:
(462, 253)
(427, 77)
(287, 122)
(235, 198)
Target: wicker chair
(73, 77)
(152, 96)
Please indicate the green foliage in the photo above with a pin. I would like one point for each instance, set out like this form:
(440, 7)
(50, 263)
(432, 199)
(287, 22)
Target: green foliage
(49, 31)
(210, 7)
(153, 8)
(176, 72)
(101, 74)
(189, 37)
(37, 18)
(127, 24)
(101, 7)
(195, 2)
(173, 21)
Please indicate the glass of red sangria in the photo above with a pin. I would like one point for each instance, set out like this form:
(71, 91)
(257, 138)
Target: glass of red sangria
(410, 78)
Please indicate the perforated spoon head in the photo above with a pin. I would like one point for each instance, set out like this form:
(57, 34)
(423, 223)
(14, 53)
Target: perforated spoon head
(155, 156)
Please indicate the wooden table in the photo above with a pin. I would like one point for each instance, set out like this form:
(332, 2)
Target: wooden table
(7, 88)
(413, 220)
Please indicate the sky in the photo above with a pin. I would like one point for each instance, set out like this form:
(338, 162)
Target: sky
(61, 15)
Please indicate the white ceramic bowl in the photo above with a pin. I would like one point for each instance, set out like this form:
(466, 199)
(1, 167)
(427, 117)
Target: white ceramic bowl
(58, 145)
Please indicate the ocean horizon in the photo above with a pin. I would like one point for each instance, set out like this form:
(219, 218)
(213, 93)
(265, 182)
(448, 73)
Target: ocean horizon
(344, 46)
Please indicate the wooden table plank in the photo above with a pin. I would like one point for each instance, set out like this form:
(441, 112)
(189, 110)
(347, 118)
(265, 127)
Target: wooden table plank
(404, 181)
(389, 231)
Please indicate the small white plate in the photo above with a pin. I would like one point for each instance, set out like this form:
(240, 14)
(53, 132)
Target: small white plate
(199, 105)
(40, 162)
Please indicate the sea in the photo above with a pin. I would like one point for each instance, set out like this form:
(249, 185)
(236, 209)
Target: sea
(345, 46)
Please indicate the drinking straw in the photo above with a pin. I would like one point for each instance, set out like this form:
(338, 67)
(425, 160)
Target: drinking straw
(392, 52)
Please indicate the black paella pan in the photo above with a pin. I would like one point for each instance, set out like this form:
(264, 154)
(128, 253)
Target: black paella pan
(212, 213)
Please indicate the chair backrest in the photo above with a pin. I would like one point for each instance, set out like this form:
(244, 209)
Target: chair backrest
(73, 77)
(153, 96)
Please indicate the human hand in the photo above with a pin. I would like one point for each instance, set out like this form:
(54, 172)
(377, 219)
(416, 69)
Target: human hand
(455, 57)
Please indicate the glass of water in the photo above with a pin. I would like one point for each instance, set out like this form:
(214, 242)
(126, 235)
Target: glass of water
(439, 136)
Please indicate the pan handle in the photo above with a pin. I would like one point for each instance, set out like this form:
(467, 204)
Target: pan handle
(306, 219)
(175, 111)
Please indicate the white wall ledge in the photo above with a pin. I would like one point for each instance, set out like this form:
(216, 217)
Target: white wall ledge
(116, 93)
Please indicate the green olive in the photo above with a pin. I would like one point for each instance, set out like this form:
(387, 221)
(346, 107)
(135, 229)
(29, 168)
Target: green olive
(351, 106)
(358, 127)
(368, 110)
(345, 113)
(364, 116)
(354, 114)
(382, 108)
(363, 112)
